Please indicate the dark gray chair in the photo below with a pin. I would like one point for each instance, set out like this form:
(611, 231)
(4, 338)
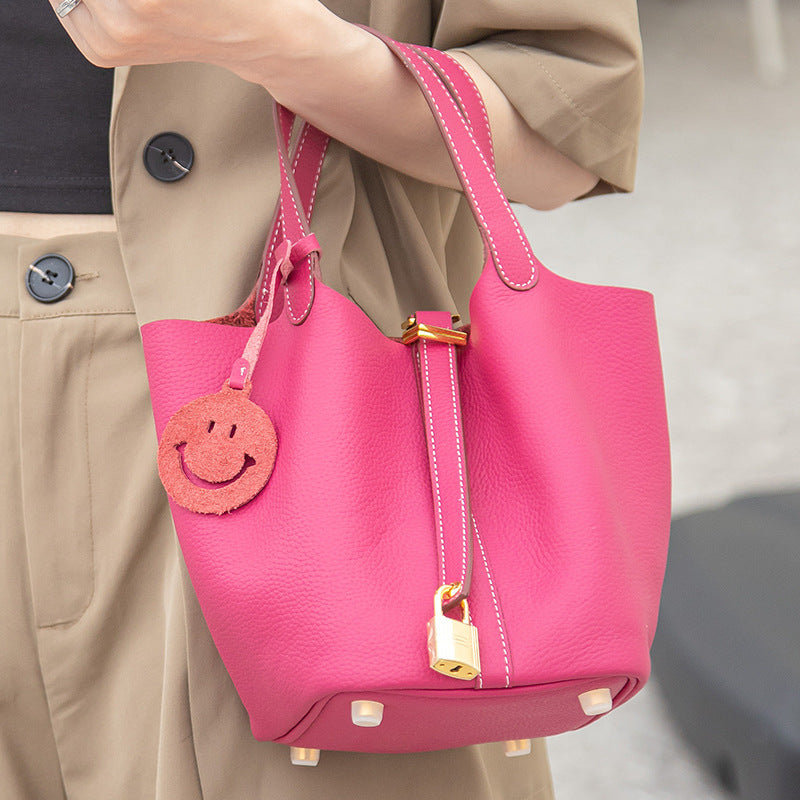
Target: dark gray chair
(727, 650)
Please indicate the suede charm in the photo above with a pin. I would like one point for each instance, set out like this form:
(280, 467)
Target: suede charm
(217, 452)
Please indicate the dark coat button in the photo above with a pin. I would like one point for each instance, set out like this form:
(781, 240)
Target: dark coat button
(50, 278)
(168, 156)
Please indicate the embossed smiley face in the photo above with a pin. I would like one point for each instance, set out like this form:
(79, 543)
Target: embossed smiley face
(217, 452)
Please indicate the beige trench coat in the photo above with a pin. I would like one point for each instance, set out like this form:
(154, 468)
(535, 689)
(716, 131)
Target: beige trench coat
(191, 249)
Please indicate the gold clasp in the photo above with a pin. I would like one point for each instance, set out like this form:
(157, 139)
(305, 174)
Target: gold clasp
(412, 330)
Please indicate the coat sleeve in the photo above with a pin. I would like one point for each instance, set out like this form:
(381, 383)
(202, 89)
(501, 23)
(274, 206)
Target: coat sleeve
(572, 68)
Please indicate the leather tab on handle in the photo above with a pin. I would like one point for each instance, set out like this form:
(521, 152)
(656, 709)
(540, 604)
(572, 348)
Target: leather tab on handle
(437, 380)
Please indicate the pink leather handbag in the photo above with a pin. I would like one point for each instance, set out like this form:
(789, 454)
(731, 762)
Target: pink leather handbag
(407, 544)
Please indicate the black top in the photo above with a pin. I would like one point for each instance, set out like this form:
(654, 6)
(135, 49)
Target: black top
(54, 114)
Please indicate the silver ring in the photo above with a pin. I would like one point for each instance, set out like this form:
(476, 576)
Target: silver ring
(65, 7)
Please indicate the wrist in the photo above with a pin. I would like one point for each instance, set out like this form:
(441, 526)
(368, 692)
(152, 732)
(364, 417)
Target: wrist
(293, 51)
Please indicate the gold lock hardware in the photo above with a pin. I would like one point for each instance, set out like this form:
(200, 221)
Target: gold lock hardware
(452, 644)
(412, 330)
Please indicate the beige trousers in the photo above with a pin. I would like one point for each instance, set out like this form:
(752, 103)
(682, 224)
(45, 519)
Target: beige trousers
(110, 685)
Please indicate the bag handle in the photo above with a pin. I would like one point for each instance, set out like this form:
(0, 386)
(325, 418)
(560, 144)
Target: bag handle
(451, 94)
(460, 84)
(307, 159)
(311, 147)
(505, 242)
(292, 222)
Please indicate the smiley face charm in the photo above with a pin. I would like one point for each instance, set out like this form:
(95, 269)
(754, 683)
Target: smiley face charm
(217, 452)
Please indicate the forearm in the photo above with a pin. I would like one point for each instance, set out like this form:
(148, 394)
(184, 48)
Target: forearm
(339, 77)
(346, 82)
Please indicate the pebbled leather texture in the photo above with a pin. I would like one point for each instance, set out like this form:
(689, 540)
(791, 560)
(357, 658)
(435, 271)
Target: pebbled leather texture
(318, 591)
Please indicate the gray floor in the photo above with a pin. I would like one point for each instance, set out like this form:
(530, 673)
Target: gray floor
(713, 230)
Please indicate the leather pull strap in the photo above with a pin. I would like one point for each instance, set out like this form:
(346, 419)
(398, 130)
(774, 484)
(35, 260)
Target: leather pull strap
(437, 377)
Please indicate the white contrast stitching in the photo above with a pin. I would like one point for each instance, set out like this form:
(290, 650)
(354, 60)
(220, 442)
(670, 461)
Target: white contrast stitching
(313, 199)
(470, 190)
(495, 603)
(437, 56)
(499, 191)
(295, 319)
(266, 288)
(274, 239)
(457, 428)
(268, 259)
(289, 195)
(482, 107)
(300, 145)
(440, 525)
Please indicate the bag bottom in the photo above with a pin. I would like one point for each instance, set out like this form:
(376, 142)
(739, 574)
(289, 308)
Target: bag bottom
(419, 720)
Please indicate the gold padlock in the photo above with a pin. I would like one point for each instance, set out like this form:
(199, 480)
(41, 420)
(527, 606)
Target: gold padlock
(453, 644)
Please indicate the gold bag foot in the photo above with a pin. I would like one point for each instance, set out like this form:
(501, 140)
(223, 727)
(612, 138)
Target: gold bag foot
(304, 756)
(517, 747)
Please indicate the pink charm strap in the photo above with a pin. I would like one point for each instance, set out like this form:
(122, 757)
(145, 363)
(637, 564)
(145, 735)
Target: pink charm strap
(288, 256)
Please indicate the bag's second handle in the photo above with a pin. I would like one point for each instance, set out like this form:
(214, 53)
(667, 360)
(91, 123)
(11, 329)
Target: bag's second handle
(505, 241)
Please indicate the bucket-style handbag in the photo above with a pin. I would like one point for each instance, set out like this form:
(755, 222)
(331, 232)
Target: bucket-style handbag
(450, 537)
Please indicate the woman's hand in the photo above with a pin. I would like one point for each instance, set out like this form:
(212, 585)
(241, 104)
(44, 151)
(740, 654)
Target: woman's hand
(232, 33)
